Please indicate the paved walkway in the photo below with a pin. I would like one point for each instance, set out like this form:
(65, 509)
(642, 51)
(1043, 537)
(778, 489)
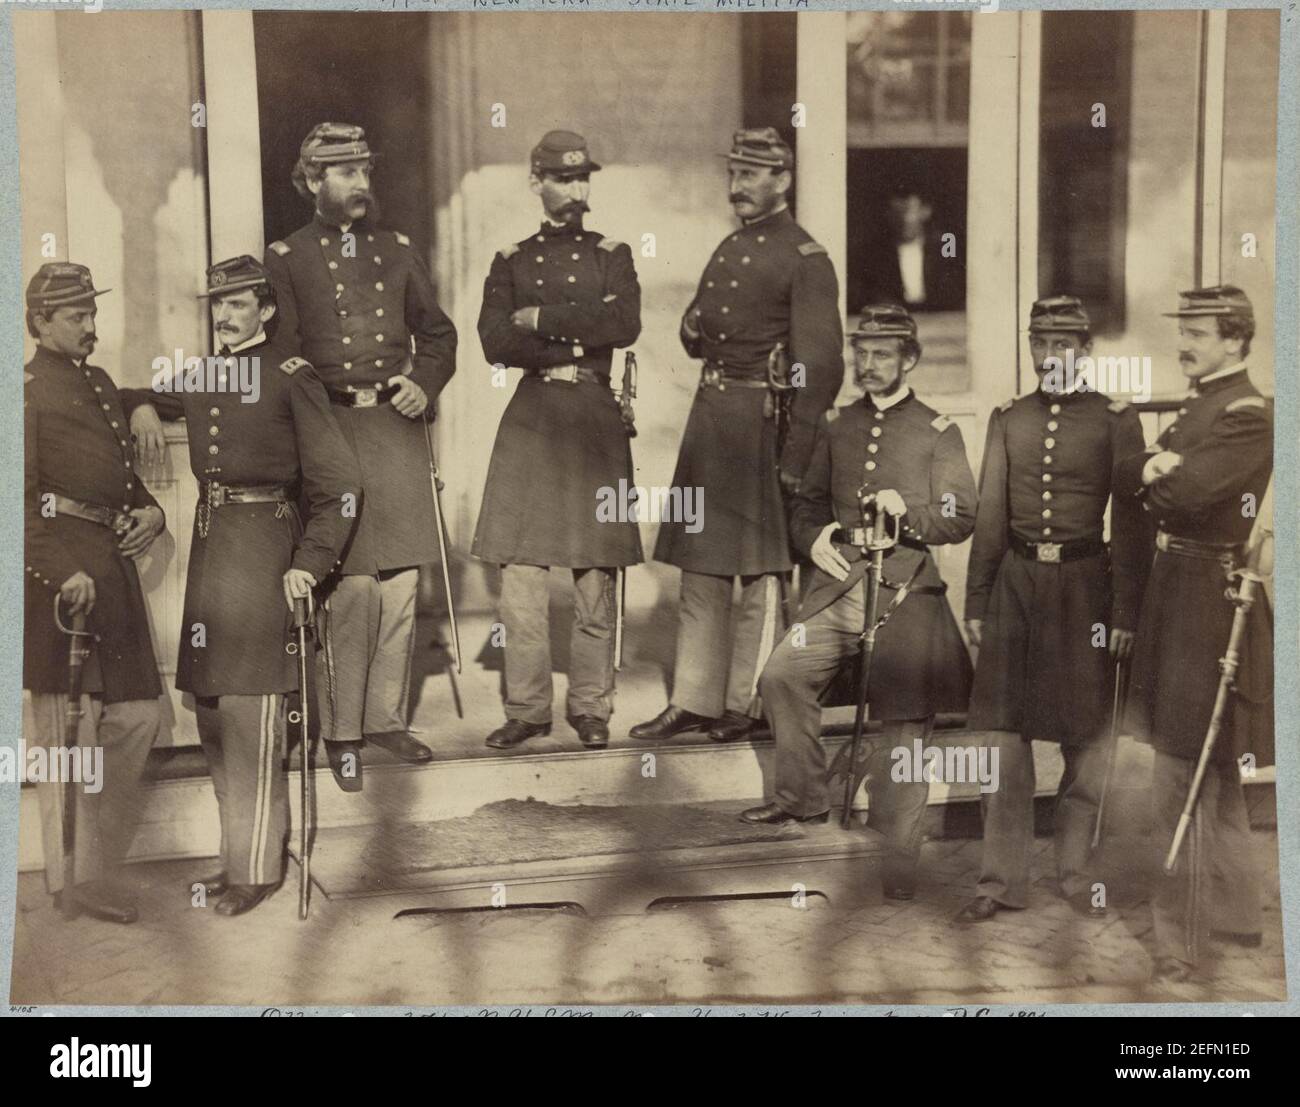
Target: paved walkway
(354, 952)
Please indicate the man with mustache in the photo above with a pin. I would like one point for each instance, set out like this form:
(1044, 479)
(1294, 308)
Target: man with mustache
(767, 285)
(250, 558)
(356, 301)
(1041, 581)
(891, 446)
(86, 516)
(557, 305)
(1202, 481)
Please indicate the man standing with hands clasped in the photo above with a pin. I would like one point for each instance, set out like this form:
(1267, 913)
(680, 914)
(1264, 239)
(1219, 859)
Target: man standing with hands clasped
(356, 301)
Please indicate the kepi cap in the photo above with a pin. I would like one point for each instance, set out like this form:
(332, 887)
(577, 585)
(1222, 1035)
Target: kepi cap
(562, 154)
(235, 275)
(60, 284)
(1059, 313)
(760, 146)
(1221, 299)
(332, 143)
(884, 321)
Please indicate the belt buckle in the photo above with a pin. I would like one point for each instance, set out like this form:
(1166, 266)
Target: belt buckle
(1162, 541)
(712, 377)
(1047, 551)
(122, 522)
(216, 496)
(365, 397)
(566, 373)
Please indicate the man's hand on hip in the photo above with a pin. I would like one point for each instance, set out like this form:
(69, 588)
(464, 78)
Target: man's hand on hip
(826, 557)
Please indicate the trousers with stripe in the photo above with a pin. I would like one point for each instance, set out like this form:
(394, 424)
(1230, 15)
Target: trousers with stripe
(243, 738)
(1216, 882)
(364, 665)
(524, 612)
(723, 645)
(107, 815)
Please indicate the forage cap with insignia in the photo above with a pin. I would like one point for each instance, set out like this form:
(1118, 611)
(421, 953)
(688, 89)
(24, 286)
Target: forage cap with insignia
(561, 154)
(60, 284)
(1059, 313)
(235, 275)
(760, 146)
(884, 321)
(1221, 299)
(331, 143)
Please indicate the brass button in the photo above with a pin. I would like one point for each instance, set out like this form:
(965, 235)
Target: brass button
(872, 447)
(541, 258)
(214, 412)
(1049, 442)
(1047, 513)
(577, 257)
(744, 260)
(1046, 496)
(379, 338)
(347, 340)
(324, 241)
(876, 432)
(379, 312)
(1047, 459)
(1047, 532)
(1052, 425)
(1055, 409)
(213, 431)
(870, 465)
(1047, 478)
(213, 448)
(379, 286)
(722, 338)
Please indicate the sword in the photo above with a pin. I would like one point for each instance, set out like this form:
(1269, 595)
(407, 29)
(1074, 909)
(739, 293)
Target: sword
(302, 621)
(435, 483)
(1243, 597)
(78, 651)
(1116, 715)
(620, 604)
(626, 394)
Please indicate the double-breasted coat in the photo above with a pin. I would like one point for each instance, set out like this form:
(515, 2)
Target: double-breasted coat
(767, 282)
(561, 448)
(359, 305)
(1224, 434)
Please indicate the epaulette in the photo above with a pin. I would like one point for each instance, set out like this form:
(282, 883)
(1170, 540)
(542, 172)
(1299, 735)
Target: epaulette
(832, 414)
(280, 248)
(941, 423)
(810, 248)
(1245, 402)
(28, 378)
(294, 364)
(510, 251)
(1005, 407)
(610, 244)
(1118, 406)
(401, 238)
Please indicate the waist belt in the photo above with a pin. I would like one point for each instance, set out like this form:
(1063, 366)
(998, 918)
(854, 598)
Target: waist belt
(571, 374)
(721, 377)
(362, 397)
(1054, 552)
(213, 494)
(1190, 547)
(119, 522)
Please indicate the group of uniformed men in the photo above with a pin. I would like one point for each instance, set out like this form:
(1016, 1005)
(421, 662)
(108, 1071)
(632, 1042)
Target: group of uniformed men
(345, 314)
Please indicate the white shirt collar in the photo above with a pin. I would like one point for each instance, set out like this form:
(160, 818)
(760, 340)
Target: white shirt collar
(258, 338)
(884, 403)
(1227, 371)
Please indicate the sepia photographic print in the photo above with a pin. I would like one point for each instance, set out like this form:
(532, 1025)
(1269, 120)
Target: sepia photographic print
(674, 506)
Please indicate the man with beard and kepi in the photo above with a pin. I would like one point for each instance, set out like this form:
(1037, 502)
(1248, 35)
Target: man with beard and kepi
(1202, 481)
(356, 301)
(250, 558)
(767, 285)
(556, 305)
(891, 446)
(1041, 581)
(85, 517)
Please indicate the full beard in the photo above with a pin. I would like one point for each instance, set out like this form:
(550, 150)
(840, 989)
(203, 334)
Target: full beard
(336, 213)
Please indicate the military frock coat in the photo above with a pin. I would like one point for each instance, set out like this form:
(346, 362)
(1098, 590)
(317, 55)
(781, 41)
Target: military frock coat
(77, 443)
(360, 306)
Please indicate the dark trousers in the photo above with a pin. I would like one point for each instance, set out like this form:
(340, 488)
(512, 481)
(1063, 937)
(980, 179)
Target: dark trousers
(243, 738)
(1216, 882)
(791, 684)
(718, 667)
(1009, 818)
(525, 617)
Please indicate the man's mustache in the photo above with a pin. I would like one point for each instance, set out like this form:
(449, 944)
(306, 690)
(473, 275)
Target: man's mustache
(577, 206)
(741, 198)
